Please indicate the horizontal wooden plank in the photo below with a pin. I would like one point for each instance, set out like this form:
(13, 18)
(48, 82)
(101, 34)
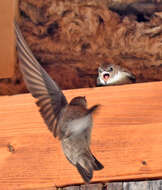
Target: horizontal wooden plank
(97, 186)
(143, 185)
(126, 138)
(7, 45)
(135, 185)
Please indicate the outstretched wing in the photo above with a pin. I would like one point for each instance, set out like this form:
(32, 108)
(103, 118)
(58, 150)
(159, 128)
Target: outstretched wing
(50, 98)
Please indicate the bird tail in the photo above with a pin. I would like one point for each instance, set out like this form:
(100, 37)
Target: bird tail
(86, 165)
(92, 109)
(132, 78)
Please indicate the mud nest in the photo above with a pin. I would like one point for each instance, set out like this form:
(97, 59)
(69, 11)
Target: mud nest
(72, 38)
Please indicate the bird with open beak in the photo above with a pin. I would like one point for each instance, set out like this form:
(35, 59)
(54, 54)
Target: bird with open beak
(71, 123)
(111, 74)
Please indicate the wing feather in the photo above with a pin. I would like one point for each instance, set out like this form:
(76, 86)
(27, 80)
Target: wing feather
(50, 98)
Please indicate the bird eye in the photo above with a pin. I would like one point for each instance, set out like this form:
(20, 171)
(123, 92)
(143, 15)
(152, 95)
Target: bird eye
(111, 69)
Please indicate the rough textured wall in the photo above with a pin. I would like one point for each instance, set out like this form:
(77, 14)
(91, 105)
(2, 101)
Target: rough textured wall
(71, 38)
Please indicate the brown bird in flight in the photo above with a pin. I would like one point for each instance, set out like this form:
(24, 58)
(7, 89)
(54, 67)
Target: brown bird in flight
(71, 123)
(110, 74)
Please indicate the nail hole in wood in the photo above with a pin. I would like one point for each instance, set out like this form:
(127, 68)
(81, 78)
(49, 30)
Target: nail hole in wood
(144, 162)
(11, 148)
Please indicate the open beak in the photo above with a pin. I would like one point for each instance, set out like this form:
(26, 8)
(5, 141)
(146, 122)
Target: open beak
(105, 76)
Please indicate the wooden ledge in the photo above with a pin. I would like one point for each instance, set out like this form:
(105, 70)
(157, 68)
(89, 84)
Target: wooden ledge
(126, 138)
(7, 39)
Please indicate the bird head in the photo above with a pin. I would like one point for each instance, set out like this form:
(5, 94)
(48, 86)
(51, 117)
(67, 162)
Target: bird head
(79, 101)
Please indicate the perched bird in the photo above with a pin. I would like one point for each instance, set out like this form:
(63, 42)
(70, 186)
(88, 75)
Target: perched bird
(71, 123)
(109, 74)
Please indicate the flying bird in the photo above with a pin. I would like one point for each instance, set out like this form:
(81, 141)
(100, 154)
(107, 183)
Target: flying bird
(111, 74)
(71, 123)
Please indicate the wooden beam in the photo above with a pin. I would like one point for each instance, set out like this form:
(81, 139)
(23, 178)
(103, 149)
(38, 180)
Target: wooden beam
(126, 138)
(7, 45)
(135, 185)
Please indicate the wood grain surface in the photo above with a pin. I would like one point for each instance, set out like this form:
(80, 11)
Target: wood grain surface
(7, 45)
(126, 138)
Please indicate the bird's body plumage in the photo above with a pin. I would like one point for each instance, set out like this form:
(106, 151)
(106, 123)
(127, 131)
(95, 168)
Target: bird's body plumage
(71, 123)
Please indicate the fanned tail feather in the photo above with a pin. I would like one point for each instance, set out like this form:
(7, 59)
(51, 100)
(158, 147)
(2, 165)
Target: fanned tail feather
(86, 165)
